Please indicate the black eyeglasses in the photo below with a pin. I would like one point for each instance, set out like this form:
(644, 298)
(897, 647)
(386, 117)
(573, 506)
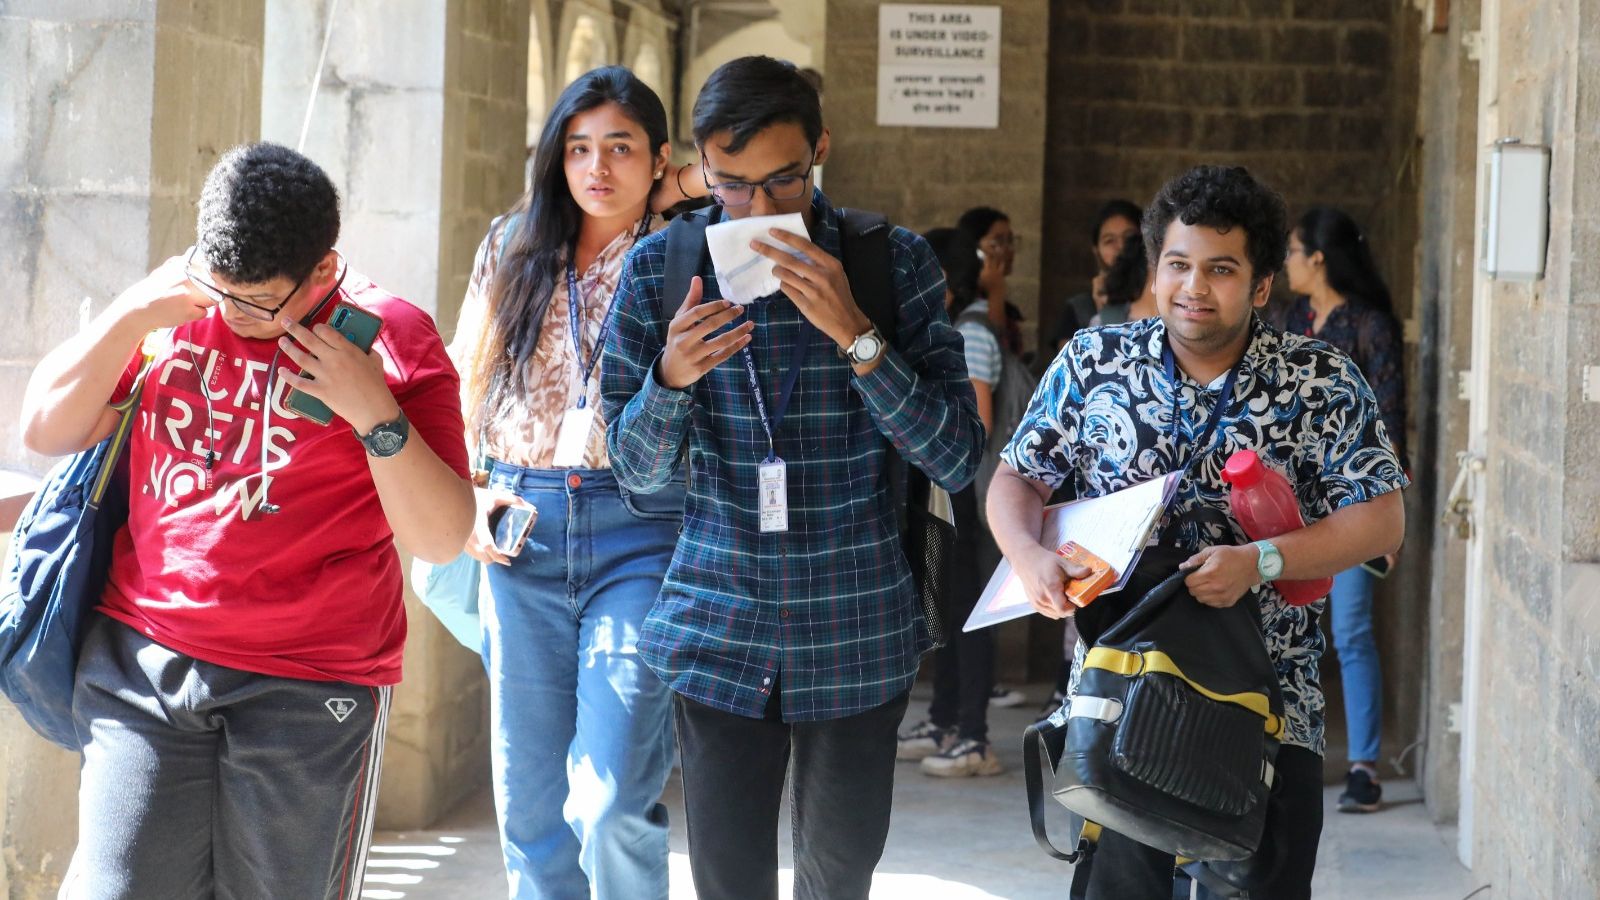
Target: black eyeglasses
(253, 310)
(741, 193)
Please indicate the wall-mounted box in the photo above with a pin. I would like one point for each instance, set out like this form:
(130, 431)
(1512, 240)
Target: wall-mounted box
(1517, 216)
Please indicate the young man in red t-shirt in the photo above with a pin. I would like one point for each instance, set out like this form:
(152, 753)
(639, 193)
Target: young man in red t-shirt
(232, 700)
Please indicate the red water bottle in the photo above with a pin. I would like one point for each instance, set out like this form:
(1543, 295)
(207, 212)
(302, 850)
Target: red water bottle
(1263, 503)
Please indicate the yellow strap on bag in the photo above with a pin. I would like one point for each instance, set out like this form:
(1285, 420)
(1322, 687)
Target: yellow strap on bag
(1129, 664)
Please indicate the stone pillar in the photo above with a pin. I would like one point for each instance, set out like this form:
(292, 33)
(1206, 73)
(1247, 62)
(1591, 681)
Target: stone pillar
(1448, 120)
(110, 116)
(419, 120)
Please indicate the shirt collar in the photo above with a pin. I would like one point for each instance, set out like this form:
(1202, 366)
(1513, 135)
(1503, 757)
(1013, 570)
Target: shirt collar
(1261, 354)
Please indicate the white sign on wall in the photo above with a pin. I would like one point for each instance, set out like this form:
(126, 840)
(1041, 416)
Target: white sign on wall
(939, 66)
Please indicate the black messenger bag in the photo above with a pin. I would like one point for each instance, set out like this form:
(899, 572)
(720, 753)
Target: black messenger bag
(1171, 737)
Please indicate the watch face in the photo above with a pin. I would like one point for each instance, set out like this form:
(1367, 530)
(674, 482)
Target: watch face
(866, 347)
(386, 443)
(1271, 564)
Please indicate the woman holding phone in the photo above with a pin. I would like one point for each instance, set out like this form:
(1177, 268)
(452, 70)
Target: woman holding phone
(1342, 300)
(580, 727)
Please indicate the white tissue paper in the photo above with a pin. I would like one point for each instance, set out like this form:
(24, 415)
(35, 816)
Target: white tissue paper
(743, 274)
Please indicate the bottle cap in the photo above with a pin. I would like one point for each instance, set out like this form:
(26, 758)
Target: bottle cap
(1243, 469)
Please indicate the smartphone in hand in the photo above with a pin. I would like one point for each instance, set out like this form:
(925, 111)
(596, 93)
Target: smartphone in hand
(511, 526)
(359, 327)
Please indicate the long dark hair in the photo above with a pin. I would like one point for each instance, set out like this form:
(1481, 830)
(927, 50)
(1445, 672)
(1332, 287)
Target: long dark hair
(958, 257)
(1129, 274)
(544, 227)
(1346, 257)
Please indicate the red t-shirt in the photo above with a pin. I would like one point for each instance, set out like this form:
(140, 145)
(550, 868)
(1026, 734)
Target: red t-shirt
(313, 591)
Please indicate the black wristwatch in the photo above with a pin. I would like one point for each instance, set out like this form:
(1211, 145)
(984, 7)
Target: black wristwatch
(386, 438)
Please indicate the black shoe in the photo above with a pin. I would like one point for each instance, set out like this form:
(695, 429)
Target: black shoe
(1361, 793)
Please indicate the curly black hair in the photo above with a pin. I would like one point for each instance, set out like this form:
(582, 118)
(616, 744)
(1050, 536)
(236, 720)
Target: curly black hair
(1128, 275)
(1223, 197)
(265, 212)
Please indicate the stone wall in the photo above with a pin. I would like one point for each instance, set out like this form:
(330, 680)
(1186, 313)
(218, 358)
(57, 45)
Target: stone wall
(1537, 765)
(103, 148)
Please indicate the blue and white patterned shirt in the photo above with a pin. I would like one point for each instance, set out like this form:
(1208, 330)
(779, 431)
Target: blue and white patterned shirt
(825, 609)
(1102, 418)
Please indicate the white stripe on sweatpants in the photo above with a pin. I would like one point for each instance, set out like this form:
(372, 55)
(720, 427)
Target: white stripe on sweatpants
(367, 802)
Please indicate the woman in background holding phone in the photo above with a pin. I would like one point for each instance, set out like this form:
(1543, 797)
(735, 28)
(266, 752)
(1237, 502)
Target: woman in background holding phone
(580, 727)
(1343, 301)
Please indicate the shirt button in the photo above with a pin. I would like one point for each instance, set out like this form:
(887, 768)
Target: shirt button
(574, 481)
(784, 613)
(766, 681)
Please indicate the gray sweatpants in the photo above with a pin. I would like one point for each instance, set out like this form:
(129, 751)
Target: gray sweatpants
(202, 781)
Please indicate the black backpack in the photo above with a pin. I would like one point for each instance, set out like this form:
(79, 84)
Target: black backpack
(927, 529)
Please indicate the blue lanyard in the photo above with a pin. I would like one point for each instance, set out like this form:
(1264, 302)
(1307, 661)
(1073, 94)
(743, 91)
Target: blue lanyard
(770, 424)
(1224, 400)
(577, 325)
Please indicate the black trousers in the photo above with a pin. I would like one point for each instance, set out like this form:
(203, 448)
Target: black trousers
(1124, 869)
(963, 669)
(733, 776)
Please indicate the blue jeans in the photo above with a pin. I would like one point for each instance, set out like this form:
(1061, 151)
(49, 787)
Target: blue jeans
(1350, 608)
(580, 728)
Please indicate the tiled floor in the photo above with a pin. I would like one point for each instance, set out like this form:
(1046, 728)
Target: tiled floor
(955, 840)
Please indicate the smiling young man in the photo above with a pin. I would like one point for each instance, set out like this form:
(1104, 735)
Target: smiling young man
(787, 625)
(232, 700)
(1126, 403)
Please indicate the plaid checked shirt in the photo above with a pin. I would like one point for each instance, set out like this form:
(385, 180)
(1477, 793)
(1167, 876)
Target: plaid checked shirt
(827, 608)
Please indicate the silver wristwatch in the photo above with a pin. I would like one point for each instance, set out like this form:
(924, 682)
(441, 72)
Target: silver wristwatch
(865, 348)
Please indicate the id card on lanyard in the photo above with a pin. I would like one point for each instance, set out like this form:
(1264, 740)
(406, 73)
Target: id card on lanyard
(773, 476)
(577, 423)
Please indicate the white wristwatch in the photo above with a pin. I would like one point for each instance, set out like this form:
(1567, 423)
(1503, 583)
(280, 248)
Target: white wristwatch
(864, 349)
(1269, 565)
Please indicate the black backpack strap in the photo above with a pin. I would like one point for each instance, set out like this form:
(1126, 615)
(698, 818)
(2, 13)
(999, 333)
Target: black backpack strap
(868, 265)
(1036, 757)
(686, 252)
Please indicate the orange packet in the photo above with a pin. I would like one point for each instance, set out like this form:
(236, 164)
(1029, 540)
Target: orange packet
(1082, 591)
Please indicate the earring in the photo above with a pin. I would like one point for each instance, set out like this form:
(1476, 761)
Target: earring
(660, 173)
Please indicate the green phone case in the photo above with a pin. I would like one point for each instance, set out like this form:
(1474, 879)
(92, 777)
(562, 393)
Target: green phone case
(360, 328)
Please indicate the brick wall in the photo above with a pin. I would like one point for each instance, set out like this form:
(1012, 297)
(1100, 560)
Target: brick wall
(1300, 91)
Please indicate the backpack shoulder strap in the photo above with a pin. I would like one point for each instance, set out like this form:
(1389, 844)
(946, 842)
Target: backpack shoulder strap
(686, 251)
(867, 263)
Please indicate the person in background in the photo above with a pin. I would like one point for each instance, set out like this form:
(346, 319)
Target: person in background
(1130, 287)
(581, 729)
(1115, 226)
(997, 248)
(1342, 300)
(954, 739)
